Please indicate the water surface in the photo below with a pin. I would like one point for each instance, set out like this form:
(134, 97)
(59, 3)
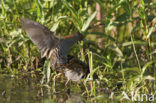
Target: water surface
(26, 88)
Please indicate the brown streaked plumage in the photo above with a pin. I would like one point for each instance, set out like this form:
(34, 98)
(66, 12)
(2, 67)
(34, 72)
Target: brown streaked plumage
(56, 49)
(74, 69)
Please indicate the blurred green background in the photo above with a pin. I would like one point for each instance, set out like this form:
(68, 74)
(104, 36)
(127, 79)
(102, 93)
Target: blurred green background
(120, 38)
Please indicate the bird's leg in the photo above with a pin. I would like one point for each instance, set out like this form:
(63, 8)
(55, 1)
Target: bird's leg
(66, 84)
(54, 79)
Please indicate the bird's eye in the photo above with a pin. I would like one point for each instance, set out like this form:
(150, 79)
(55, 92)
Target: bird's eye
(83, 76)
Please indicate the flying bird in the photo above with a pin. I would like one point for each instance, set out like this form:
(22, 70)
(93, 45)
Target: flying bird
(56, 49)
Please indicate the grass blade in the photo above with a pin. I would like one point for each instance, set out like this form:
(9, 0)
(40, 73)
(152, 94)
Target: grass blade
(89, 20)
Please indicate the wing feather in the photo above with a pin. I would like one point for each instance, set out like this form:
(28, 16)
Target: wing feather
(41, 36)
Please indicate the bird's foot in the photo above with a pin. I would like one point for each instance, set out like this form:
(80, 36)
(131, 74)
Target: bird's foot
(54, 81)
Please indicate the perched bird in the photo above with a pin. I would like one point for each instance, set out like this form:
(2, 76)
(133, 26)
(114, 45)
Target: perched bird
(56, 49)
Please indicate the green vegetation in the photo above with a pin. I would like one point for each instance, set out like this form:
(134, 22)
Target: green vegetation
(120, 46)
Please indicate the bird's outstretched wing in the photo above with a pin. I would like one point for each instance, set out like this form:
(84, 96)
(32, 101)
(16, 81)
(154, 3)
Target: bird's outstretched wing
(41, 36)
(49, 45)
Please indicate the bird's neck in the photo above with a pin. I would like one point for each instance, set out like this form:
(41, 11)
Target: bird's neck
(67, 42)
(70, 39)
(67, 36)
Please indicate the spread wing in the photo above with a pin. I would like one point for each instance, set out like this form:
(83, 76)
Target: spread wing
(41, 36)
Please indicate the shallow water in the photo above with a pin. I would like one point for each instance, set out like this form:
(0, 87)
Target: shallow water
(27, 89)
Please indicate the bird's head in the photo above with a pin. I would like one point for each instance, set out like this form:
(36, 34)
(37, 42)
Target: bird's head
(75, 36)
(78, 36)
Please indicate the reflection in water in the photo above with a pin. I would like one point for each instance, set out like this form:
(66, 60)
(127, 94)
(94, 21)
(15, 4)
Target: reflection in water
(27, 89)
(74, 98)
